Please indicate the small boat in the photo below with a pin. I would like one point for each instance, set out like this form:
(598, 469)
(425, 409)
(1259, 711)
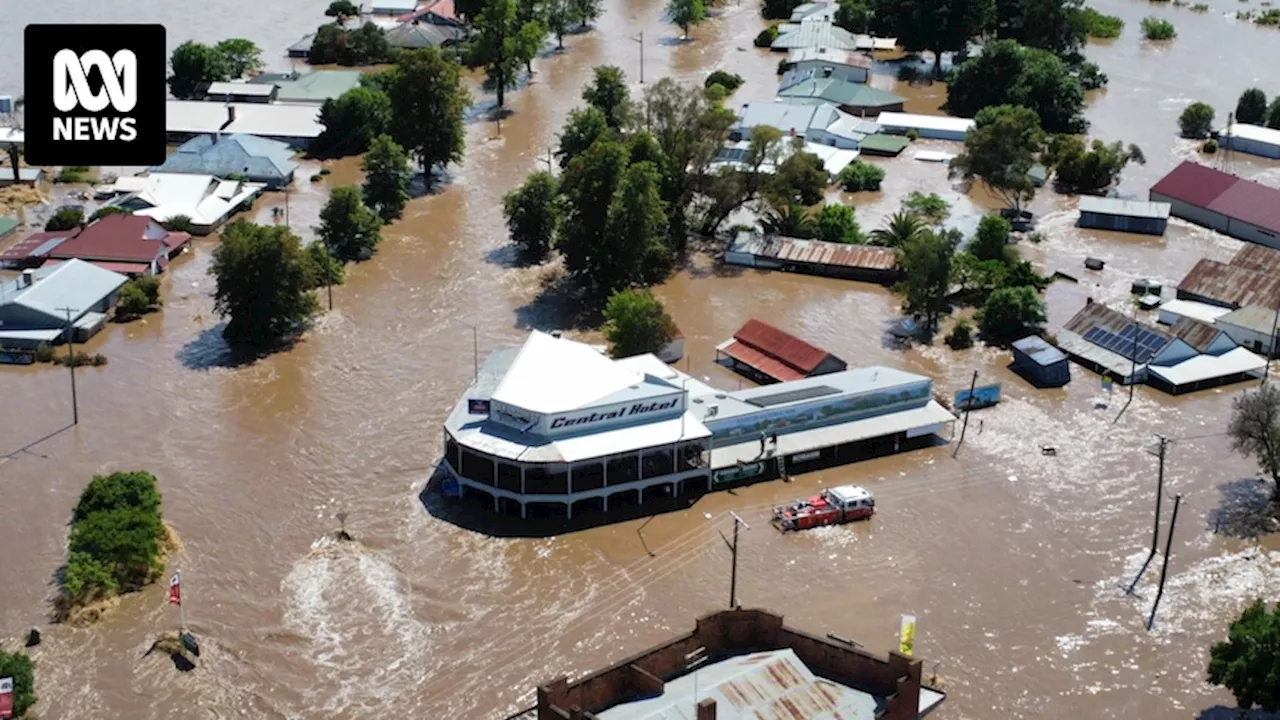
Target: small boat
(833, 506)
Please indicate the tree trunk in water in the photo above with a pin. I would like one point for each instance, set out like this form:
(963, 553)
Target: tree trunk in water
(502, 91)
(937, 63)
(559, 41)
(14, 160)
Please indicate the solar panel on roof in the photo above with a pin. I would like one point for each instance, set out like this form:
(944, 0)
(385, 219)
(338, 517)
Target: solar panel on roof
(1148, 343)
(791, 396)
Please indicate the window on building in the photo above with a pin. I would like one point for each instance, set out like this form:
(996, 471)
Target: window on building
(509, 477)
(477, 467)
(624, 469)
(655, 464)
(589, 476)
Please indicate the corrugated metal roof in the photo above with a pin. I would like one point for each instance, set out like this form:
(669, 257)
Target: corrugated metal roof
(1256, 133)
(1257, 257)
(1098, 315)
(817, 252)
(1194, 184)
(1209, 367)
(761, 361)
(814, 33)
(1231, 285)
(915, 121)
(1039, 351)
(1194, 333)
(32, 245)
(830, 55)
(840, 92)
(1251, 317)
(780, 345)
(1127, 208)
(1251, 202)
(77, 285)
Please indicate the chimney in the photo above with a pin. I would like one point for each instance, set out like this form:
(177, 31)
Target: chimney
(707, 709)
(28, 278)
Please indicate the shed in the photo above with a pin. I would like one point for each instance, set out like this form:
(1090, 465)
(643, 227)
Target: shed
(243, 92)
(1252, 326)
(1252, 139)
(936, 127)
(852, 97)
(1150, 218)
(770, 355)
(1240, 208)
(1041, 363)
(885, 145)
(814, 257)
(26, 175)
(8, 226)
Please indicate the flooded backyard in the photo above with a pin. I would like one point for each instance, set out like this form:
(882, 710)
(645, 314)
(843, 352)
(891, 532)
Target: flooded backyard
(1014, 562)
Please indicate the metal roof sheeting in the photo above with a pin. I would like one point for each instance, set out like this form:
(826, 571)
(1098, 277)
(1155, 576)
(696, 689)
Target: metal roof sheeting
(1223, 193)
(1251, 317)
(1195, 333)
(1209, 367)
(912, 121)
(1194, 184)
(1257, 257)
(1231, 285)
(817, 252)
(1127, 208)
(1039, 351)
(782, 346)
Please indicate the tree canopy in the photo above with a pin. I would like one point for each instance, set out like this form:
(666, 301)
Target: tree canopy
(263, 280)
(608, 93)
(363, 45)
(351, 122)
(242, 56)
(115, 542)
(18, 665)
(349, 228)
(636, 323)
(1094, 169)
(1251, 108)
(835, 223)
(67, 217)
(1000, 149)
(194, 65)
(901, 228)
(503, 44)
(937, 26)
(686, 13)
(532, 213)
(1248, 662)
(1196, 120)
(427, 105)
(925, 259)
(584, 12)
(386, 178)
(1254, 429)
(991, 242)
(1010, 312)
(1007, 73)
(1059, 26)
(800, 179)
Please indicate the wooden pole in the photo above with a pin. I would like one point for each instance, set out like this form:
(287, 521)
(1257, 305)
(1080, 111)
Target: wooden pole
(1155, 535)
(71, 365)
(968, 405)
(1164, 569)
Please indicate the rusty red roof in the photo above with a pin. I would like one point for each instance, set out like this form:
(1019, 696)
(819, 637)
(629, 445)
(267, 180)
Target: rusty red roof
(818, 252)
(774, 368)
(1230, 285)
(27, 247)
(789, 349)
(1197, 334)
(1257, 257)
(1251, 202)
(1194, 184)
(121, 238)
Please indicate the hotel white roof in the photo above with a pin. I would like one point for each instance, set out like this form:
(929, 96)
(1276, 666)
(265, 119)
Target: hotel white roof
(553, 375)
(205, 117)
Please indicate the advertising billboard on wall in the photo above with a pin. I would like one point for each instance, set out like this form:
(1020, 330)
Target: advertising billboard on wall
(478, 406)
(982, 397)
(843, 408)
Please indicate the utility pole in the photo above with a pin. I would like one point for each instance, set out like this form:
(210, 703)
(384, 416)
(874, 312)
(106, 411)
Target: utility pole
(71, 365)
(692, 661)
(641, 41)
(1155, 535)
(733, 548)
(967, 406)
(1164, 569)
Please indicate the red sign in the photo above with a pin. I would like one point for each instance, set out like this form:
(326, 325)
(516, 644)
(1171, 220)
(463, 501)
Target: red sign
(175, 589)
(6, 697)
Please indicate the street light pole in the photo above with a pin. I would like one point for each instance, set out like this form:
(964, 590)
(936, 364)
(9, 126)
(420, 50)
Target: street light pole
(641, 41)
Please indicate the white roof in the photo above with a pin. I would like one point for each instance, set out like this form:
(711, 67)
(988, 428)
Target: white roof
(1127, 208)
(200, 116)
(130, 184)
(832, 56)
(834, 159)
(934, 156)
(1208, 367)
(849, 493)
(621, 440)
(924, 122)
(554, 375)
(241, 88)
(1203, 312)
(203, 198)
(1256, 133)
(11, 135)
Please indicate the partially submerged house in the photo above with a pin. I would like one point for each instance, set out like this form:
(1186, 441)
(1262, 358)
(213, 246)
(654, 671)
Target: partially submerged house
(38, 306)
(243, 156)
(1252, 139)
(208, 201)
(767, 354)
(737, 155)
(829, 62)
(867, 263)
(823, 123)
(310, 88)
(1190, 355)
(295, 124)
(1243, 209)
(858, 99)
(1148, 218)
(933, 127)
(818, 31)
(1041, 363)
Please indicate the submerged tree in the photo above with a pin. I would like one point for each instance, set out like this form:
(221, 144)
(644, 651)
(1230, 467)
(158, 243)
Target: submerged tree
(262, 283)
(503, 45)
(351, 121)
(686, 13)
(1248, 662)
(1254, 429)
(1000, 150)
(1093, 169)
(194, 65)
(925, 260)
(1251, 109)
(608, 93)
(532, 212)
(348, 227)
(427, 104)
(386, 178)
(636, 323)
(935, 25)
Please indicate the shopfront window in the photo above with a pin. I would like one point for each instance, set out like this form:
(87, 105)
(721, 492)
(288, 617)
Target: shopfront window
(509, 477)
(589, 476)
(624, 469)
(477, 467)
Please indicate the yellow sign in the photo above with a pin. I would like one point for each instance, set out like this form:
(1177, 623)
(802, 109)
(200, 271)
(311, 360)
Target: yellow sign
(907, 635)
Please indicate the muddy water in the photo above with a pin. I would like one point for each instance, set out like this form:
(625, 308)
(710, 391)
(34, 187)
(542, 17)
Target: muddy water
(1013, 561)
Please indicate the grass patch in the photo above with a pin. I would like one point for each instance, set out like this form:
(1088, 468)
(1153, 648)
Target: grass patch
(1154, 28)
(1102, 26)
(1200, 8)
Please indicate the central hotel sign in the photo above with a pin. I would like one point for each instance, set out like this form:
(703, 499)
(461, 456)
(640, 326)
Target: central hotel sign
(617, 412)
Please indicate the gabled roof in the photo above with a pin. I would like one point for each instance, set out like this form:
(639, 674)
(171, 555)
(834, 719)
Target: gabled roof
(788, 116)
(417, 35)
(1257, 257)
(1251, 317)
(551, 375)
(315, 86)
(830, 56)
(814, 32)
(797, 354)
(1039, 351)
(1231, 285)
(1118, 333)
(123, 238)
(240, 154)
(1194, 183)
(840, 92)
(1197, 334)
(74, 284)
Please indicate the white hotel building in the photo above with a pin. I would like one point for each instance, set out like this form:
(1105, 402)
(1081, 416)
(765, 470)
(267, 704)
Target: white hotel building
(554, 428)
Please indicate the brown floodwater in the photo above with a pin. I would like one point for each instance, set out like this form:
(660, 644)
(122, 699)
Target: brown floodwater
(1013, 561)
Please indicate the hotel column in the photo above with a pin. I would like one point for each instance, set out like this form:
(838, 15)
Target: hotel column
(522, 500)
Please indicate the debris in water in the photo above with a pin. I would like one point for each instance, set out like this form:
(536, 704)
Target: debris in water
(33, 637)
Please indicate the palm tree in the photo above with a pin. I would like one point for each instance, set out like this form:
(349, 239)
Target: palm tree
(789, 221)
(902, 227)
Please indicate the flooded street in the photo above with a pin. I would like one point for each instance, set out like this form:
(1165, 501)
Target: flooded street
(1014, 562)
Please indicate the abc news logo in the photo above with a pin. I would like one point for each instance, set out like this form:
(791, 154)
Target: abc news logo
(95, 94)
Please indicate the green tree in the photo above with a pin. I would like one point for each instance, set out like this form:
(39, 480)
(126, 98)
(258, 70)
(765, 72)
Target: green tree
(766, 37)
(779, 9)
(557, 20)
(835, 223)
(800, 179)
(19, 667)
(1011, 312)
(131, 302)
(241, 56)
(1000, 149)
(991, 242)
(978, 278)
(330, 45)
(584, 12)
(1251, 109)
(125, 543)
(583, 128)
(501, 47)
(349, 228)
(386, 178)
(1248, 662)
(727, 80)
(926, 267)
(351, 122)
(532, 213)
(1078, 169)
(793, 221)
(1273, 114)
(1006, 73)
(194, 65)
(342, 9)
(134, 489)
(1154, 28)
(961, 335)
(177, 223)
(636, 323)
(588, 185)
(935, 25)
(1058, 26)
(427, 104)
(1196, 120)
(930, 207)
(67, 217)
(106, 210)
(150, 287)
(1101, 26)
(732, 187)
(1254, 429)
(322, 268)
(686, 13)
(859, 176)
(367, 45)
(854, 16)
(901, 229)
(635, 252)
(608, 93)
(262, 284)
